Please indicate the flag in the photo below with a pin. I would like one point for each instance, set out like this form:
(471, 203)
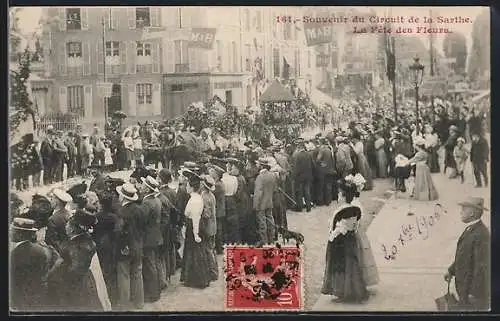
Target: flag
(202, 37)
(390, 57)
(286, 69)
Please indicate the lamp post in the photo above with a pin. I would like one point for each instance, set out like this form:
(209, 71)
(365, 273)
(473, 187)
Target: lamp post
(418, 75)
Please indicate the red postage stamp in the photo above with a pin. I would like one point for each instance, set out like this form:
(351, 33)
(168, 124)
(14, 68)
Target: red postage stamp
(267, 278)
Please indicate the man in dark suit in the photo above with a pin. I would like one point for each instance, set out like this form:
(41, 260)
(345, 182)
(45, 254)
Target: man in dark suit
(46, 152)
(153, 239)
(471, 267)
(98, 183)
(265, 184)
(129, 249)
(326, 172)
(303, 176)
(479, 157)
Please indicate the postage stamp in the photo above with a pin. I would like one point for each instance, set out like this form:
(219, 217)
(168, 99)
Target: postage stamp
(264, 278)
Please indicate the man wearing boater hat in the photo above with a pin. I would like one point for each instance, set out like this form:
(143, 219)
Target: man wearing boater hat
(265, 185)
(151, 206)
(129, 246)
(471, 267)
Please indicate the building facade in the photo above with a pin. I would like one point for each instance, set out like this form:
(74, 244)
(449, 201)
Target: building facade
(155, 72)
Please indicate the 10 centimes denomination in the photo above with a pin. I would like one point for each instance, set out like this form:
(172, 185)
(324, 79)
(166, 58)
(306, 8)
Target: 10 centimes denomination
(263, 279)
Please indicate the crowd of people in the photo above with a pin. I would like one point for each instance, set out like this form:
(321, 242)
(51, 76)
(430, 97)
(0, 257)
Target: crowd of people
(116, 244)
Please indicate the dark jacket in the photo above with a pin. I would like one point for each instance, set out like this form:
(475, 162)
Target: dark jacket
(56, 229)
(471, 267)
(46, 151)
(479, 151)
(325, 162)
(220, 200)
(151, 205)
(131, 235)
(98, 184)
(303, 166)
(208, 225)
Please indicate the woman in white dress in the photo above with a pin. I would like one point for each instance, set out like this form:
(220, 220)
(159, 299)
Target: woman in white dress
(424, 189)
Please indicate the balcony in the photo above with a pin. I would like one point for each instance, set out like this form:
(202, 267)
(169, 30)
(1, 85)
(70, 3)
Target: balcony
(144, 69)
(180, 68)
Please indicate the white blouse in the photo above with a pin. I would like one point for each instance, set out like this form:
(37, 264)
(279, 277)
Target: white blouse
(230, 184)
(194, 209)
(431, 140)
(128, 142)
(358, 148)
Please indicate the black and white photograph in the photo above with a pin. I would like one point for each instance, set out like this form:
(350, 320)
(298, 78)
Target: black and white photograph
(272, 158)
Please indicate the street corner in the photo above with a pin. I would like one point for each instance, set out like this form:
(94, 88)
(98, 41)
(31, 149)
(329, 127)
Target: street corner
(268, 278)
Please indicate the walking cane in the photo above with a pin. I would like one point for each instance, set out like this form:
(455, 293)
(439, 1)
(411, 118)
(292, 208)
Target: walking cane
(287, 196)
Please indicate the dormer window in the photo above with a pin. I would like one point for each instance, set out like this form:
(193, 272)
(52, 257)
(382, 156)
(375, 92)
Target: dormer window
(73, 19)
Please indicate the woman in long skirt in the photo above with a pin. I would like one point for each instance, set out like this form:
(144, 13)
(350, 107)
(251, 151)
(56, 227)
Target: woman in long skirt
(424, 189)
(432, 146)
(381, 155)
(196, 264)
(343, 276)
(364, 167)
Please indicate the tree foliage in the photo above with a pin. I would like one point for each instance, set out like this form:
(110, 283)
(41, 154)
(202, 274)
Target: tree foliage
(455, 46)
(20, 100)
(479, 58)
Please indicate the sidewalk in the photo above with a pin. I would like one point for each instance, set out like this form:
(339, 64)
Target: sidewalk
(414, 278)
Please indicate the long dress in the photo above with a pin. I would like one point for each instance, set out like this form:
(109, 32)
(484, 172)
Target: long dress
(364, 167)
(381, 157)
(196, 264)
(72, 286)
(343, 273)
(424, 189)
(432, 146)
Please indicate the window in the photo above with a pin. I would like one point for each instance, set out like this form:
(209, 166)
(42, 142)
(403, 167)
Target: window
(276, 62)
(143, 49)
(297, 62)
(142, 18)
(76, 100)
(308, 59)
(235, 56)
(258, 21)
(287, 31)
(249, 58)
(74, 49)
(181, 56)
(73, 19)
(112, 48)
(144, 94)
(247, 19)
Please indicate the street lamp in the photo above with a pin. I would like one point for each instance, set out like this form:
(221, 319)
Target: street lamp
(418, 75)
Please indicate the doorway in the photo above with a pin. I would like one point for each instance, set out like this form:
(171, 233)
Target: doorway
(115, 101)
(229, 97)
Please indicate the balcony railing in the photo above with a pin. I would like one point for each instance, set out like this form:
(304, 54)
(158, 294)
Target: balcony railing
(145, 69)
(75, 71)
(181, 67)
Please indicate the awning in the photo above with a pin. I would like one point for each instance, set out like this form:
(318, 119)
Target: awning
(483, 95)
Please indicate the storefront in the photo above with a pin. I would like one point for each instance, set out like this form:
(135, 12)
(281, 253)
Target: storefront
(181, 90)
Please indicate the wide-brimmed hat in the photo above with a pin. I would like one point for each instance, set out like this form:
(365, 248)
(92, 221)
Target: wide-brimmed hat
(453, 128)
(461, 139)
(62, 195)
(191, 165)
(474, 202)
(23, 224)
(208, 182)
(263, 161)
(85, 217)
(419, 141)
(217, 168)
(346, 212)
(151, 183)
(85, 135)
(128, 191)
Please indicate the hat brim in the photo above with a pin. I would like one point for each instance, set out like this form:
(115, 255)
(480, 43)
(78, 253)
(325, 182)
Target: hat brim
(210, 188)
(33, 229)
(63, 198)
(119, 191)
(476, 206)
(145, 182)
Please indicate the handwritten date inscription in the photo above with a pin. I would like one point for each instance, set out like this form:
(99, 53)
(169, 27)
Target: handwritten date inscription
(409, 232)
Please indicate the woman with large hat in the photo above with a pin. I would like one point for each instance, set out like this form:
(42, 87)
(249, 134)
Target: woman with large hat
(73, 286)
(343, 276)
(196, 263)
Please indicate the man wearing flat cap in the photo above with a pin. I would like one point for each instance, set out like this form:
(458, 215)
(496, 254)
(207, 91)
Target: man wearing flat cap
(471, 267)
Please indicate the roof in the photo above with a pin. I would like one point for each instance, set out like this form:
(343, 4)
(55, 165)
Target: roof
(276, 93)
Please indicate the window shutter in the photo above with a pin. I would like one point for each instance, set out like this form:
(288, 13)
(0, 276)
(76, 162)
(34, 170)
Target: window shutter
(63, 58)
(155, 53)
(157, 100)
(115, 18)
(132, 100)
(63, 100)
(170, 59)
(62, 19)
(193, 62)
(131, 56)
(88, 101)
(84, 16)
(131, 18)
(155, 16)
(123, 57)
(100, 58)
(86, 59)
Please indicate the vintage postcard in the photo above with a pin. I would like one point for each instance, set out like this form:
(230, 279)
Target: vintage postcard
(244, 158)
